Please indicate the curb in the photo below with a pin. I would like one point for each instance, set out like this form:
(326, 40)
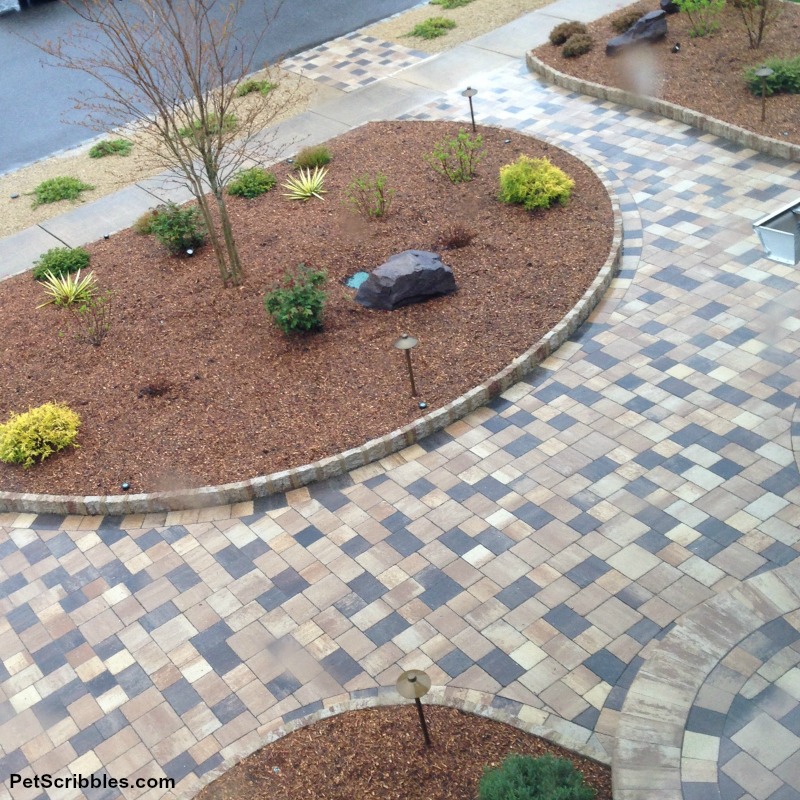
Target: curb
(354, 458)
(529, 719)
(761, 144)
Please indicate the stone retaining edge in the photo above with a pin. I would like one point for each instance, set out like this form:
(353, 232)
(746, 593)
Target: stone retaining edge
(375, 449)
(688, 116)
(532, 720)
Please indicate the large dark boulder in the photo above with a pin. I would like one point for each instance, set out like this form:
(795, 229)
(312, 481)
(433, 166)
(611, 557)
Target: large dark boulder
(650, 28)
(669, 6)
(408, 277)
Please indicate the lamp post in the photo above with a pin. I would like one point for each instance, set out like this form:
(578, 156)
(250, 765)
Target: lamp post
(407, 343)
(414, 684)
(763, 73)
(469, 92)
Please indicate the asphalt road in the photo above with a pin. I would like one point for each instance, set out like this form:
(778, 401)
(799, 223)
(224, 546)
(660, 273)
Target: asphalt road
(37, 115)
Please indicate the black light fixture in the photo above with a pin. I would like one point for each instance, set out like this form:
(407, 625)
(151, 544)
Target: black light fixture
(763, 73)
(125, 486)
(469, 92)
(414, 684)
(407, 343)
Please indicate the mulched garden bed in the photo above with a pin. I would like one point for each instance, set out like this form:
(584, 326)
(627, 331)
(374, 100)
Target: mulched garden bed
(705, 75)
(378, 754)
(194, 385)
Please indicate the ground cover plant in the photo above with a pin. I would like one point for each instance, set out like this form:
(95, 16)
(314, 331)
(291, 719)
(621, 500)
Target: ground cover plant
(433, 27)
(252, 85)
(246, 399)
(708, 74)
(37, 433)
(251, 182)
(450, 4)
(111, 147)
(60, 261)
(310, 157)
(378, 754)
(61, 188)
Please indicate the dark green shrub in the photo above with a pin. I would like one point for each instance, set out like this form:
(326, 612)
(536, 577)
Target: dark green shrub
(534, 183)
(432, 28)
(60, 261)
(251, 182)
(111, 147)
(621, 22)
(252, 85)
(577, 45)
(457, 159)
(178, 228)
(311, 157)
(55, 189)
(296, 305)
(528, 778)
(785, 77)
(564, 30)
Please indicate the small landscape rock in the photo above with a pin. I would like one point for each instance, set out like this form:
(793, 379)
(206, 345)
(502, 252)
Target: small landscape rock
(408, 277)
(669, 6)
(650, 28)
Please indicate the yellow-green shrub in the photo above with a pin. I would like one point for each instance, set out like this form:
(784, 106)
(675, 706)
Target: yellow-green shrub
(37, 433)
(534, 183)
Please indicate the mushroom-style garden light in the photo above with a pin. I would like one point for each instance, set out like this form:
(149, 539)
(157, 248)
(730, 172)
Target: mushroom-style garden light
(414, 684)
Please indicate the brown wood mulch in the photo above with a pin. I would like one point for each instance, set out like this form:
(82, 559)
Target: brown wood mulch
(379, 754)
(194, 385)
(705, 75)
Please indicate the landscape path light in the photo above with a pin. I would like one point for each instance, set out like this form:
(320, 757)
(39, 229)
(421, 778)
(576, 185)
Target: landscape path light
(413, 685)
(469, 92)
(763, 73)
(407, 343)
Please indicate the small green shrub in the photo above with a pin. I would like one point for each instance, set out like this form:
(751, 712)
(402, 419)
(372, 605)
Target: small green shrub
(60, 261)
(111, 147)
(577, 45)
(178, 228)
(306, 184)
(251, 182)
(54, 189)
(370, 197)
(432, 28)
(450, 4)
(785, 77)
(528, 778)
(623, 21)
(296, 306)
(212, 128)
(311, 157)
(144, 224)
(564, 30)
(67, 290)
(38, 433)
(252, 85)
(458, 158)
(534, 183)
(703, 15)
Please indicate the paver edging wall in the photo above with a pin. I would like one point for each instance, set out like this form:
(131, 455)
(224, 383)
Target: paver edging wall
(373, 450)
(532, 720)
(761, 144)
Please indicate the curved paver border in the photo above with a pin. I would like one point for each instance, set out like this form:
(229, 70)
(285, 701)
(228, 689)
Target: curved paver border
(532, 720)
(373, 450)
(650, 735)
(688, 116)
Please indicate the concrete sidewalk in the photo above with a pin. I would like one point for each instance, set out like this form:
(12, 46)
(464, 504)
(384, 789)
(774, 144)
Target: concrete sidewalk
(607, 554)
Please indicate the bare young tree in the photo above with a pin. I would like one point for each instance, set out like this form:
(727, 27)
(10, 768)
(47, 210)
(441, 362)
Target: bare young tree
(757, 16)
(176, 67)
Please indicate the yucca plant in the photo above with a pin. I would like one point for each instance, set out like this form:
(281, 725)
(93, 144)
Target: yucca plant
(68, 290)
(306, 184)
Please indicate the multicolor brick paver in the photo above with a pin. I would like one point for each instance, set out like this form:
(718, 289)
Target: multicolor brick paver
(540, 551)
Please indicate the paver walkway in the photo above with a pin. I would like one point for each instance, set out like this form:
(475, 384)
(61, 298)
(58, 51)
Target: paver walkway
(538, 552)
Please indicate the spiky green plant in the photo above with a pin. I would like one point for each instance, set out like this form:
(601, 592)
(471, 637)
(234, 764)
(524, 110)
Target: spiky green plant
(67, 290)
(306, 184)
